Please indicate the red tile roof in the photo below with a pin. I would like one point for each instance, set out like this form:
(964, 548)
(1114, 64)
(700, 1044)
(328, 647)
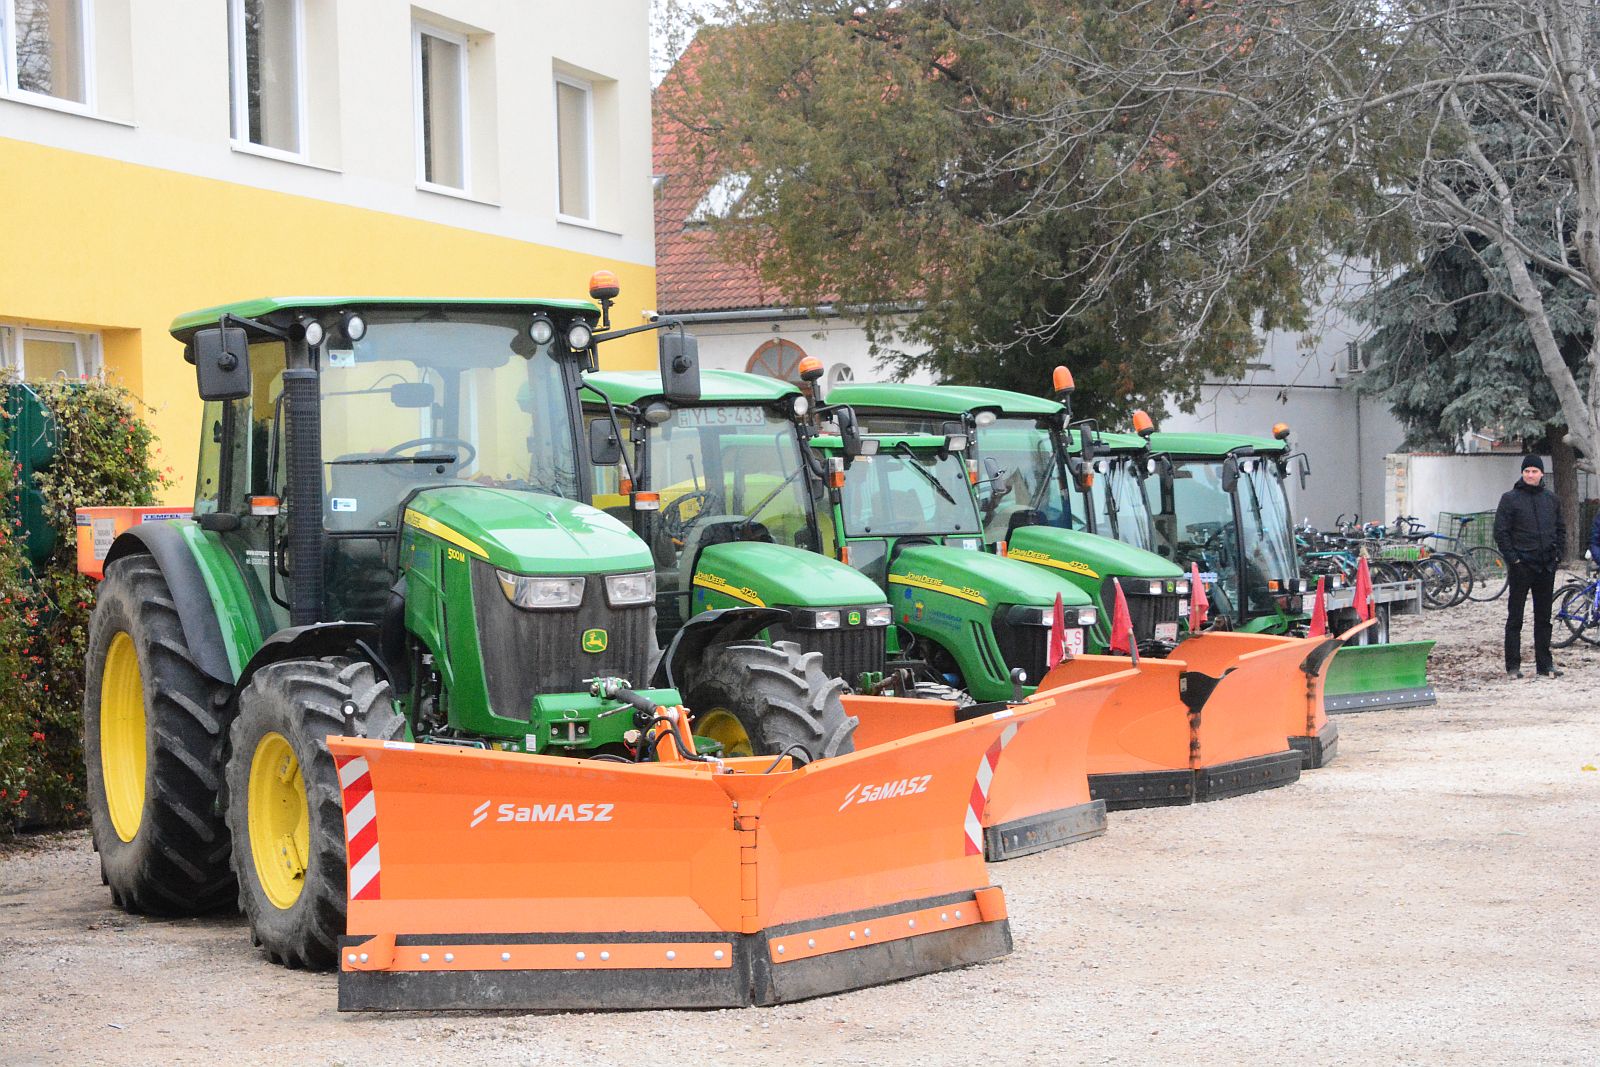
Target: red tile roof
(690, 274)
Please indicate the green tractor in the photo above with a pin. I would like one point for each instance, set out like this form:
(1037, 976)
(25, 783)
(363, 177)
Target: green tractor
(1034, 491)
(904, 513)
(391, 540)
(718, 487)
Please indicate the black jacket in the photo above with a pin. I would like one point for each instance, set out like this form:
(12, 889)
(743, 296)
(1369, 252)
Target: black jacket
(1527, 526)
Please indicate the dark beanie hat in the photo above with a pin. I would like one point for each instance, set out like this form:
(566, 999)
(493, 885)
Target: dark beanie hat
(1531, 461)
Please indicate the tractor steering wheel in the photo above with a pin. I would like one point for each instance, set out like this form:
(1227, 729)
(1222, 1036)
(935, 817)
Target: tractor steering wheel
(673, 522)
(465, 451)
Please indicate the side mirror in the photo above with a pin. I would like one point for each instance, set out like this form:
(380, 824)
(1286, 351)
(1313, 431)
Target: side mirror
(1230, 474)
(680, 365)
(411, 395)
(605, 449)
(850, 435)
(992, 469)
(1305, 470)
(222, 363)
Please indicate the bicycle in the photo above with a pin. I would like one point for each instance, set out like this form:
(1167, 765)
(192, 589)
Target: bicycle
(1578, 612)
(1489, 570)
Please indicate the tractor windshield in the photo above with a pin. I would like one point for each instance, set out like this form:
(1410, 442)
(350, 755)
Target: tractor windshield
(1020, 473)
(1195, 524)
(899, 492)
(1120, 507)
(422, 401)
(1268, 547)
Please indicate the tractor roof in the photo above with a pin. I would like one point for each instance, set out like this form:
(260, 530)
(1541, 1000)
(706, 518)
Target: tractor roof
(267, 305)
(939, 399)
(716, 387)
(1117, 442)
(1208, 445)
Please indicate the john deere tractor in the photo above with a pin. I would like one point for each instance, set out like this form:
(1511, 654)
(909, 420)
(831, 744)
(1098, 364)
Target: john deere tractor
(390, 539)
(1034, 490)
(904, 513)
(718, 487)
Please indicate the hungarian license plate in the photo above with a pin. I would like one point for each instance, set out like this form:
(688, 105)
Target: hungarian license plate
(1075, 641)
(751, 415)
(1167, 631)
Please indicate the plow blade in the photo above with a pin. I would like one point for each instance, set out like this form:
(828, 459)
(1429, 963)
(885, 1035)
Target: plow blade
(1175, 735)
(1369, 677)
(1037, 796)
(481, 879)
(1279, 678)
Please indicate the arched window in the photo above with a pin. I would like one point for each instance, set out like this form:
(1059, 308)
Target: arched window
(778, 358)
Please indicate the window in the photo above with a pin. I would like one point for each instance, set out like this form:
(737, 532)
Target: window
(779, 358)
(575, 147)
(439, 73)
(46, 48)
(721, 200)
(35, 355)
(264, 57)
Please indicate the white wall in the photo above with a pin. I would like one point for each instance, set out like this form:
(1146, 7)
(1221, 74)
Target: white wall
(1425, 483)
(729, 345)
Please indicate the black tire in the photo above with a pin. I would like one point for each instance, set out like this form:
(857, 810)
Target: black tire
(1439, 583)
(176, 862)
(1489, 573)
(1572, 614)
(302, 702)
(1464, 576)
(781, 697)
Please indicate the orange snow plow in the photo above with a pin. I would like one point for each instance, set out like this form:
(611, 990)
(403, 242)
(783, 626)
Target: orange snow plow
(1177, 735)
(1036, 795)
(482, 879)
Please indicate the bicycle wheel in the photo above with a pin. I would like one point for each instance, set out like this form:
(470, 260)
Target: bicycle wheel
(1439, 582)
(1571, 614)
(1464, 576)
(1580, 610)
(1489, 572)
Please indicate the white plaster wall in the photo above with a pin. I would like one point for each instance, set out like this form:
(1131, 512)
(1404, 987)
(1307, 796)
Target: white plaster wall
(163, 101)
(729, 345)
(1424, 484)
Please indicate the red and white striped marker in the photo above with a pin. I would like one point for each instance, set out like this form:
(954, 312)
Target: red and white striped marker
(980, 789)
(360, 826)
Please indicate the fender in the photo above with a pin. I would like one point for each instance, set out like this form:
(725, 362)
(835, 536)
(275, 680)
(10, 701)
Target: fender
(202, 631)
(709, 628)
(315, 642)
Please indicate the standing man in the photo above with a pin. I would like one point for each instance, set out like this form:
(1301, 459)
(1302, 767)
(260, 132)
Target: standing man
(1529, 534)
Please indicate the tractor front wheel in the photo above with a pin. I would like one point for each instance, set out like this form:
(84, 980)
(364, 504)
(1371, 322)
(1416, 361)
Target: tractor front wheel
(151, 734)
(763, 700)
(284, 809)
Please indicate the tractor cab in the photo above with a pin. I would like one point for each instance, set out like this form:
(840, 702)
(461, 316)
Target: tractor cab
(905, 514)
(1219, 501)
(720, 488)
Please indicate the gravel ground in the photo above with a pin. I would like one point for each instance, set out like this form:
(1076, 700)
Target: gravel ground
(1430, 897)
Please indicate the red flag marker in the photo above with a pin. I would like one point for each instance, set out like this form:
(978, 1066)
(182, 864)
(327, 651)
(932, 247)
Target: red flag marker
(1058, 636)
(1363, 590)
(1199, 606)
(1122, 625)
(1319, 612)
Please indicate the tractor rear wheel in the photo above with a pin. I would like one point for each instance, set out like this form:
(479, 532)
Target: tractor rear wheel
(284, 808)
(763, 700)
(151, 737)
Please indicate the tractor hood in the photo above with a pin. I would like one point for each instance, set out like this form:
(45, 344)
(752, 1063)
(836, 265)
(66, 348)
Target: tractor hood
(529, 533)
(777, 575)
(1085, 555)
(981, 578)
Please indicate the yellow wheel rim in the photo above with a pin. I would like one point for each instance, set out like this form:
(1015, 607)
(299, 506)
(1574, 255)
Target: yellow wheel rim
(724, 727)
(122, 736)
(279, 821)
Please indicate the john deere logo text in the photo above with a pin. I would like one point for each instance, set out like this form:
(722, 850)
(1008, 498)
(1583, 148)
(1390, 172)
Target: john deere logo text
(1073, 565)
(594, 640)
(904, 787)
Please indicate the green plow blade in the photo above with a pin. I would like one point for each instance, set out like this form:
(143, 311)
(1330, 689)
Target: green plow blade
(1369, 677)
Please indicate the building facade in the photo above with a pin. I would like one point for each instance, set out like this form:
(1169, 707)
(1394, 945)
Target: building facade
(161, 157)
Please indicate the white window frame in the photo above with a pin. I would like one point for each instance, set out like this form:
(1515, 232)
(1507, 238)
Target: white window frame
(8, 61)
(460, 40)
(86, 345)
(239, 134)
(588, 139)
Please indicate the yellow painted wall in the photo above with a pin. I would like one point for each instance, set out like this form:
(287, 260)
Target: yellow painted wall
(97, 244)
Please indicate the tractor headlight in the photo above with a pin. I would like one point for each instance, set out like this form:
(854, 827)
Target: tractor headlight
(827, 619)
(798, 406)
(1155, 588)
(541, 594)
(1087, 617)
(625, 589)
(879, 616)
(541, 330)
(578, 336)
(1183, 587)
(314, 333)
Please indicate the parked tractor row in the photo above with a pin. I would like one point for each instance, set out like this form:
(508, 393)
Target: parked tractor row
(494, 680)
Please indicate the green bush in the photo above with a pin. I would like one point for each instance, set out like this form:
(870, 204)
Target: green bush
(107, 456)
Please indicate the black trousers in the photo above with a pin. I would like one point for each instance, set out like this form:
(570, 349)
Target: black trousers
(1541, 583)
